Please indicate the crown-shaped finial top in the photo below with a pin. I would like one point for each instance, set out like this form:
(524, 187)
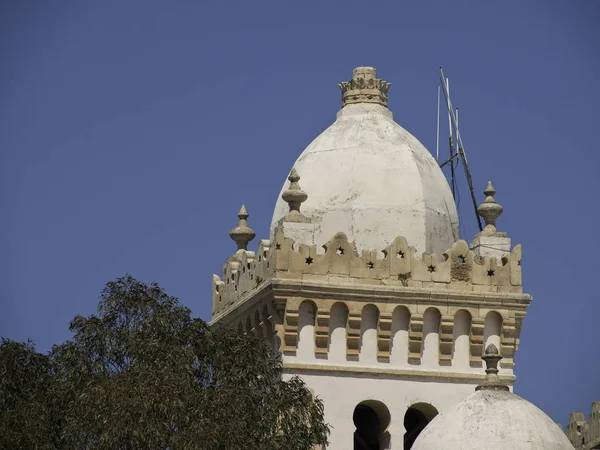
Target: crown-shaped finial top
(294, 195)
(242, 234)
(492, 381)
(364, 87)
(489, 209)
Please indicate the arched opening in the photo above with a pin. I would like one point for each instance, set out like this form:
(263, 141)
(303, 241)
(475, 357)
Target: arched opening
(371, 420)
(431, 338)
(460, 340)
(248, 324)
(368, 334)
(306, 330)
(415, 420)
(258, 329)
(268, 327)
(400, 321)
(492, 329)
(337, 332)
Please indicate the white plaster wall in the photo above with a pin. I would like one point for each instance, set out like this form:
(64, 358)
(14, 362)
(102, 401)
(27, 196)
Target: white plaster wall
(337, 333)
(399, 350)
(492, 329)
(341, 393)
(460, 350)
(369, 178)
(368, 334)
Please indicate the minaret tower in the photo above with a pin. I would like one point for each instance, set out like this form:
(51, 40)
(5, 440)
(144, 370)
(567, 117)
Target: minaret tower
(365, 289)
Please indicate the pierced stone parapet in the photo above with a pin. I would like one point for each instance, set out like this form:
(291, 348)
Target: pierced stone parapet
(457, 269)
(585, 435)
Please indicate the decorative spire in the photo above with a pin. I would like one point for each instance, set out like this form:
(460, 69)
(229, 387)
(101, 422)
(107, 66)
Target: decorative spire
(242, 234)
(294, 195)
(364, 87)
(492, 381)
(489, 209)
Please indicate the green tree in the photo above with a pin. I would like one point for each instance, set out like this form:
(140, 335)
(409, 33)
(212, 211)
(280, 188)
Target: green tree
(144, 374)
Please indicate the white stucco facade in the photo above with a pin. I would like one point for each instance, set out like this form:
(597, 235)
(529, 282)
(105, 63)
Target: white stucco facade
(341, 392)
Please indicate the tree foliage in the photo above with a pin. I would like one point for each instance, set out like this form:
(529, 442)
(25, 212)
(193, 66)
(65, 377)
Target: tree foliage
(144, 374)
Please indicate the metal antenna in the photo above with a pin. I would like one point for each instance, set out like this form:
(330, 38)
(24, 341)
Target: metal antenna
(437, 136)
(460, 148)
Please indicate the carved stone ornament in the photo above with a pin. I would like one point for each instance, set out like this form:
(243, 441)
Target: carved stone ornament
(364, 87)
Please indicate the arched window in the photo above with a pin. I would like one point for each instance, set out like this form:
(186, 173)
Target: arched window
(306, 330)
(337, 332)
(431, 338)
(268, 328)
(368, 334)
(400, 321)
(460, 340)
(258, 329)
(248, 324)
(371, 420)
(492, 329)
(415, 420)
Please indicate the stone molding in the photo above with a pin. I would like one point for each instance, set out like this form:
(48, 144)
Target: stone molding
(391, 372)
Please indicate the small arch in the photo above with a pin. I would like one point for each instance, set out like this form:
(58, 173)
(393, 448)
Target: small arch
(268, 328)
(368, 334)
(240, 328)
(338, 318)
(400, 323)
(258, 329)
(461, 339)
(491, 329)
(248, 324)
(416, 418)
(371, 420)
(431, 338)
(307, 314)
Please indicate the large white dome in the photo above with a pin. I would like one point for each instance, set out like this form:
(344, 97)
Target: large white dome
(368, 177)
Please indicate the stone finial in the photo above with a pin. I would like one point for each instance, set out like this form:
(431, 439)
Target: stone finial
(489, 209)
(294, 196)
(492, 381)
(242, 234)
(364, 87)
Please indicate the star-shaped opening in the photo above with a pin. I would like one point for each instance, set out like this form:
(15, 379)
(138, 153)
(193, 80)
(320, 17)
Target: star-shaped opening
(400, 254)
(370, 265)
(340, 251)
(277, 246)
(461, 259)
(490, 273)
(309, 260)
(431, 268)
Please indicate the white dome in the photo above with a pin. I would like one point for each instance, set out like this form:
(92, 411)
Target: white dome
(368, 177)
(493, 420)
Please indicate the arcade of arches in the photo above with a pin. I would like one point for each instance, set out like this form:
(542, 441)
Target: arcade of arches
(372, 419)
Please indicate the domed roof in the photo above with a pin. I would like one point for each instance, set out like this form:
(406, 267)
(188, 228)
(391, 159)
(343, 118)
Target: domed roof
(368, 177)
(493, 418)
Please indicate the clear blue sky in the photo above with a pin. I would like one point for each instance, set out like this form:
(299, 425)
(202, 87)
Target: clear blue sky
(132, 131)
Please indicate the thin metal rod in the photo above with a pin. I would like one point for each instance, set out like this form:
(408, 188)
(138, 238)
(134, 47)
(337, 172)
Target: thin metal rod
(437, 136)
(450, 141)
(461, 148)
(448, 160)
